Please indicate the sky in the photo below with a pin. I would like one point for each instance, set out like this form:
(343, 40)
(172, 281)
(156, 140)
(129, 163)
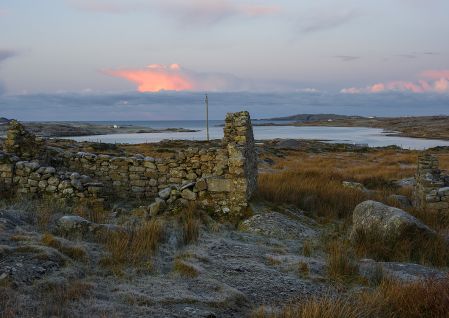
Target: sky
(134, 53)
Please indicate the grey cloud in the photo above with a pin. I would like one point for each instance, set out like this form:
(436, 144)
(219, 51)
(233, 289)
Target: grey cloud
(188, 105)
(347, 58)
(326, 20)
(6, 54)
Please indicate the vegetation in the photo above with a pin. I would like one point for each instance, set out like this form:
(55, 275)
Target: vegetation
(135, 247)
(428, 299)
(313, 182)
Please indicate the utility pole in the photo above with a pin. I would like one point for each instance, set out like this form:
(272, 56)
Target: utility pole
(207, 117)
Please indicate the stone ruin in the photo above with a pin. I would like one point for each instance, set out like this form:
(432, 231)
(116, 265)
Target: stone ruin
(221, 179)
(431, 191)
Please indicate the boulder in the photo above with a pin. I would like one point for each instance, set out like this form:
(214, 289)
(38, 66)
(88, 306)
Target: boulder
(387, 223)
(73, 226)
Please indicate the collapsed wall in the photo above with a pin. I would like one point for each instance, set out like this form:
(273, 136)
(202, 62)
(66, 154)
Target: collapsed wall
(431, 191)
(223, 179)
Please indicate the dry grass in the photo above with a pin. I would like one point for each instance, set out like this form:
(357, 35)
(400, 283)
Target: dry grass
(414, 248)
(46, 208)
(391, 299)
(307, 248)
(341, 265)
(303, 269)
(74, 252)
(190, 220)
(56, 297)
(91, 210)
(313, 182)
(135, 247)
(185, 269)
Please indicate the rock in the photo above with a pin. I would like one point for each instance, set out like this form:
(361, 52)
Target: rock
(188, 195)
(219, 185)
(157, 207)
(201, 185)
(406, 182)
(165, 193)
(387, 223)
(73, 226)
(405, 272)
(277, 225)
(354, 185)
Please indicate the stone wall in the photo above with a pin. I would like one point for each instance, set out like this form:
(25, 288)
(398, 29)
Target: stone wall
(29, 177)
(432, 188)
(223, 179)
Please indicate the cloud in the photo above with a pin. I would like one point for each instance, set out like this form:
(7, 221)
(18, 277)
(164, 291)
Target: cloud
(190, 105)
(321, 21)
(6, 54)
(436, 81)
(191, 11)
(347, 58)
(156, 77)
(436, 74)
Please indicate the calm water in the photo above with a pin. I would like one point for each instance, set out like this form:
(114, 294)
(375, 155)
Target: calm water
(355, 135)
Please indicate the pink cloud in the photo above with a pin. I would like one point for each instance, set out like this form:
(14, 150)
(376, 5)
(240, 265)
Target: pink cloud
(436, 74)
(437, 82)
(157, 77)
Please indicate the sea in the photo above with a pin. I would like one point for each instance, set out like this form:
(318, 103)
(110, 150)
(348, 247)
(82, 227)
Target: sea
(371, 137)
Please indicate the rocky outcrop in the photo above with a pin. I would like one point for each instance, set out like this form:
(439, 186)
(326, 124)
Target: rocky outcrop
(387, 224)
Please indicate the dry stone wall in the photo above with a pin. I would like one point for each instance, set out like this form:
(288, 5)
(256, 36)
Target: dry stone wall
(432, 187)
(223, 179)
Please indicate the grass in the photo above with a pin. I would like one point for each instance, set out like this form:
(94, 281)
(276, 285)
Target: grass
(190, 220)
(185, 269)
(91, 210)
(341, 265)
(414, 248)
(313, 182)
(422, 299)
(74, 252)
(303, 269)
(307, 248)
(56, 297)
(135, 247)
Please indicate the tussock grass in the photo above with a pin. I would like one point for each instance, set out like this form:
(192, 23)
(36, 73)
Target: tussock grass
(134, 247)
(341, 265)
(74, 252)
(303, 269)
(185, 269)
(190, 220)
(391, 299)
(307, 248)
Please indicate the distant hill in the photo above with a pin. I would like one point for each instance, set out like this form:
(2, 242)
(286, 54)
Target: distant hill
(4, 120)
(313, 117)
